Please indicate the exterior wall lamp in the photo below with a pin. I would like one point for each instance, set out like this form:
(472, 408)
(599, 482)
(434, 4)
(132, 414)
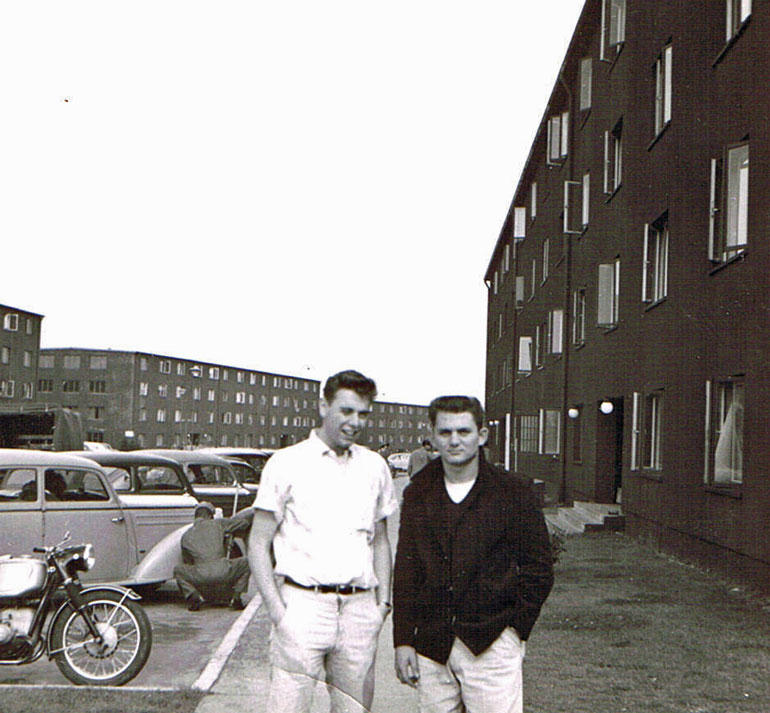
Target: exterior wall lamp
(574, 412)
(606, 407)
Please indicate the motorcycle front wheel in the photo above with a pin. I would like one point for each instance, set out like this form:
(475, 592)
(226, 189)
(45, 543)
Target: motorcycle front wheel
(124, 649)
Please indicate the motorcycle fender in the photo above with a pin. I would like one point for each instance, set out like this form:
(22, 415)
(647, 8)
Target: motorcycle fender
(130, 594)
(158, 564)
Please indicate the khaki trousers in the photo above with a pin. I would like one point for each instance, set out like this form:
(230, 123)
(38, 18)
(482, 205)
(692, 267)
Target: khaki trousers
(487, 683)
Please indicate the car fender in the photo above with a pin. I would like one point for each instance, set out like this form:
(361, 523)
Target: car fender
(158, 564)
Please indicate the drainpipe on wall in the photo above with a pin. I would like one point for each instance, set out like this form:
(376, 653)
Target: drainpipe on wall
(567, 303)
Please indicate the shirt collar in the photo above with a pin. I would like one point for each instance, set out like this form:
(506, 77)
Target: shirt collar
(318, 445)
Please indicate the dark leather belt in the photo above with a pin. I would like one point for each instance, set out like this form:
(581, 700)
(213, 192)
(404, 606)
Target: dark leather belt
(328, 588)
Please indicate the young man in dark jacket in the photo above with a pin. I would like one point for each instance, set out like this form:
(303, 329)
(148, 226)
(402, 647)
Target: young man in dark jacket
(473, 568)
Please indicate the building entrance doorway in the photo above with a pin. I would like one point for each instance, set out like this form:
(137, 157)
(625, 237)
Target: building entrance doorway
(609, 450)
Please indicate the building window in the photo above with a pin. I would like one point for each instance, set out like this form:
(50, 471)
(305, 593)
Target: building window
(142, 414)
(144, 388)
(528, 434)
(159, 440)
(586, 199)
(533, 200)
(197, 393)
(609, 294)
(143, 363)
(71, 362)
(663, 89)
(212, 395)
(540, 331)
(95, 436)
(95, 412)
(30, 325)
(180, 391)
(519, 290)
(546, 259)
(97, 362)
(738, 12)
(27, 358)
(585, 83)
(579, 317)
(165, 366)
(655, 260)
(549, 432)
(724, 432)
(161, 415)
(729, 209)
(613, 158)
(5, 355)
(534, 279)
(26, 390)
(525, 355)
(214, 373)
(45, 386)
(11, 322)
(558, 135)
(613, 26)
(47, 361)
(97, 387)
(647, 431)
(555, 331)
(7, 388)
(70, 386)
(519, 222)
(163, 390)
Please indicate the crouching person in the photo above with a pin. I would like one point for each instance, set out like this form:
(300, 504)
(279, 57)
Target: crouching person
(207, 573)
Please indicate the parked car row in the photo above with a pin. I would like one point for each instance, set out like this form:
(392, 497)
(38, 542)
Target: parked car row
(132, 506)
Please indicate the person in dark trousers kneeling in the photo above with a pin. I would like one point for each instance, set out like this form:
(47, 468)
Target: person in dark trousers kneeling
(473, 568)
(207, 569)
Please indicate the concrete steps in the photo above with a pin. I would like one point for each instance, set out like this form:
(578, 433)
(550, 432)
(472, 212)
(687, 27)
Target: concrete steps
(585, 517)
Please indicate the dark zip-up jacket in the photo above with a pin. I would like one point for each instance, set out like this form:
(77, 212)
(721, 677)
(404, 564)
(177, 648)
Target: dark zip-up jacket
(468, 569)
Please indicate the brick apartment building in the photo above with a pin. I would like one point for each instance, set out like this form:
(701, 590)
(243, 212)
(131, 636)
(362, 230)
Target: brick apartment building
(19, 350)
(136, 399)
(628, 300)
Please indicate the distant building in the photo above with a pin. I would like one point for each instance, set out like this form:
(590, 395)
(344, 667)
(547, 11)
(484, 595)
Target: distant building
(19, 349)
(628, 301)
(142, 400)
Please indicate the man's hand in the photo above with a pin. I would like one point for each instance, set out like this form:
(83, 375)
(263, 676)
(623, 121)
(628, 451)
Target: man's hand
(277, 612)
(407, 669)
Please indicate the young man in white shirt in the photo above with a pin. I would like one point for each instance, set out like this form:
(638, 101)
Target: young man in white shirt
(322, 507)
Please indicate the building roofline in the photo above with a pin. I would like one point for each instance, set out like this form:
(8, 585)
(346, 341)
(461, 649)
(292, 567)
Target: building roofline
(19, 309)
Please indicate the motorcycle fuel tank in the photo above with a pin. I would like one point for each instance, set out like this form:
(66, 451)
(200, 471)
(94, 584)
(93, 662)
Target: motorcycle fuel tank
(20, 576)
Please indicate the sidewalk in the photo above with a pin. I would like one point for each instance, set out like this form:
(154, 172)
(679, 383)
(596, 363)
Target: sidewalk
(625, 630)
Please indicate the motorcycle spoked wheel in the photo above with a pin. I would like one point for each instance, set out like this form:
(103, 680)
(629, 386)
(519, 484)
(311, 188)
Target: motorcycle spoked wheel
(127, 640)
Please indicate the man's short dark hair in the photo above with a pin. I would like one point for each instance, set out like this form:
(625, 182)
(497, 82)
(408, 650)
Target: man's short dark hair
(353, 380)
(426, 442)
(457, 404)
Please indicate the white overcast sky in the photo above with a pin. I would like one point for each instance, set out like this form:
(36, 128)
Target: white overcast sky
(296, 187)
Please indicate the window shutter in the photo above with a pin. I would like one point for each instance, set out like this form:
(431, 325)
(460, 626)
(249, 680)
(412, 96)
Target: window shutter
(525, 354)
(607, 162)
(519, 290)
(586, 199)
(564, 133)
(667, 89)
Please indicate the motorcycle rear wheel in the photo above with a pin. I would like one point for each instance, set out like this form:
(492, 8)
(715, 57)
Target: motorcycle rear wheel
(127, 635)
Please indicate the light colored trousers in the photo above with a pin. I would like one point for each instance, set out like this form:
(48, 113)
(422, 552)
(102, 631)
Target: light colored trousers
(488, 683)
(331, 636)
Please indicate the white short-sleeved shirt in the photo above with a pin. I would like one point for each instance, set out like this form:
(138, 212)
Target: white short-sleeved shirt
(326, 507)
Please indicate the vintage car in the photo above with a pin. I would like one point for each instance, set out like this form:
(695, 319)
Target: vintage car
(247, 474)
(399, 463)
(212, 478)
(45, 494)
(255, 457)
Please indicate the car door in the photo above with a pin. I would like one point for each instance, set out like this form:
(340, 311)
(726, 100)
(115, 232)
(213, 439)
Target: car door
(90, 511)
(156, 497)
(21, 517)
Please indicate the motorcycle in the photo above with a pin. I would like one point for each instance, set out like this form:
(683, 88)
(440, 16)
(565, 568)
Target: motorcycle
(99, 635)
